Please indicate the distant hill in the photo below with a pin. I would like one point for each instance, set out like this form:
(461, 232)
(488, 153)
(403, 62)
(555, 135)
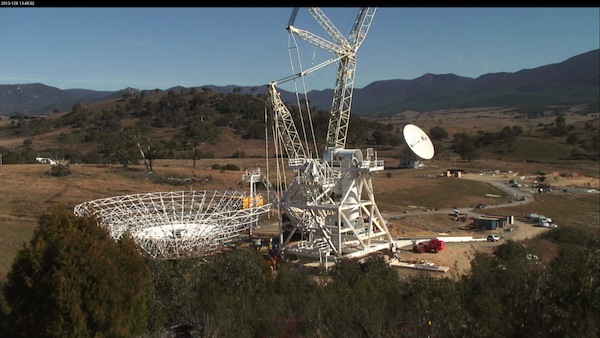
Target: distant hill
(573, 81)
(37, 98)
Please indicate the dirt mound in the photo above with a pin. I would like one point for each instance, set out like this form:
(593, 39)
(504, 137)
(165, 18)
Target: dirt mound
(571, 178)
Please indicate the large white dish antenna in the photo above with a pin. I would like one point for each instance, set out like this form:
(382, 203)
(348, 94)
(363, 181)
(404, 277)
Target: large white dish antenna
(178, 224)
(418, 142)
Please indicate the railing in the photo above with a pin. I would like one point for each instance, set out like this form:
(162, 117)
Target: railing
(372, 165)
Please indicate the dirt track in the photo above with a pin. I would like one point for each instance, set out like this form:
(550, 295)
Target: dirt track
(457, 256)
(438, 223)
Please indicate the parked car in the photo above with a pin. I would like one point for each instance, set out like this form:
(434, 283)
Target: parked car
(480, 206)
(493, 238)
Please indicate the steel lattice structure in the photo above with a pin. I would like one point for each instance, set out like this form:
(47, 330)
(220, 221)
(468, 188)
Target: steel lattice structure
(330, 201)
(178, 224)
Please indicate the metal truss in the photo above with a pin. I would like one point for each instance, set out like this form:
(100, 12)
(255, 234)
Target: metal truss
(178, 224)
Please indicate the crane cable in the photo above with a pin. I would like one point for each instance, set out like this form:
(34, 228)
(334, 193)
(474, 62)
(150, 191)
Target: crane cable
(298, 101)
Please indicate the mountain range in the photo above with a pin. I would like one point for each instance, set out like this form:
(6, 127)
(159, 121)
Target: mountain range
(571, 82)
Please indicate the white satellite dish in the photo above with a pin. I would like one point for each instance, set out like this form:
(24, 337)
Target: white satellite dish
(418, 142)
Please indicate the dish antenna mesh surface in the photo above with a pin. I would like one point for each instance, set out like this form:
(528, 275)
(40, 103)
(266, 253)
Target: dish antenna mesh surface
(180, 224)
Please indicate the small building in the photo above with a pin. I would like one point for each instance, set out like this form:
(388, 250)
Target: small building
(504, 220)
(492, 222)
(485, 223)
(407, 162)
(455, 172)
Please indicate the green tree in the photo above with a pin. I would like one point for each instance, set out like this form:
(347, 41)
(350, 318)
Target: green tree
(572, 293)
(296, 314)
(60, 170)
(508, 136)
(438, 133)
(176, 283)
(231, 274)
(74, 280)
(560, 126)
(150, 150)
(465, 146)
(381, 137)
(506, 290)
(120, 148)
(594, 145)
(506, 133)
(479, 288)
(431, 307)
(360, 300)
(25, 156)
(517, 130)
(572, 139)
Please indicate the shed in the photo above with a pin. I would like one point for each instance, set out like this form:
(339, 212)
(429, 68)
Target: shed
(486, 223)
(502, 219)
(455, 172)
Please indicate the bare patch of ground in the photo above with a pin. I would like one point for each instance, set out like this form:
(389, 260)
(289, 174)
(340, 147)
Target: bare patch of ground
(458, 256)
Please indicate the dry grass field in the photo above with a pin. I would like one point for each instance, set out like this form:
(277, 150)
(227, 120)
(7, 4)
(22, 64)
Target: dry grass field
(29, 190)
(471, 120)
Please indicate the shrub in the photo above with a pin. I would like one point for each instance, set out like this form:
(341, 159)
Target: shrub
(59, 170)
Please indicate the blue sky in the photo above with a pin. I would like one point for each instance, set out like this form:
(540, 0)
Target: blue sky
(148, 48)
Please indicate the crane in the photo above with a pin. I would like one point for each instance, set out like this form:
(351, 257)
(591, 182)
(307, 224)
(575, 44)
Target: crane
(330, 201)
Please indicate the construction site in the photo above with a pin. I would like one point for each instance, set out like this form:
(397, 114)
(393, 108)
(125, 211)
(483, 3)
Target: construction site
(319, 206)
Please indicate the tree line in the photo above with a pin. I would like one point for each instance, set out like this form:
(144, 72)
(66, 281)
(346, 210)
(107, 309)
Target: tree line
(170, 125)
(154, 125)
(73, 280)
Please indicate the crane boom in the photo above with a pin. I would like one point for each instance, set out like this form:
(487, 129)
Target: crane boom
(324, 21)
(345, 51)
(286, 128)
(337, 130)
(340, 108)
(361, 26)
(316, 40)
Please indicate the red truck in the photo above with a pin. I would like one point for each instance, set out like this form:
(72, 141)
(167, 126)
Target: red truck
(433, 245)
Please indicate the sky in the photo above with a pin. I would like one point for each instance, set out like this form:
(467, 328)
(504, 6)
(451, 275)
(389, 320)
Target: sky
(158, 48)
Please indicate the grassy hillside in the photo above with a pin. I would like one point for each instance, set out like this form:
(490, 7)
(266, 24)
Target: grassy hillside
(537, 142)
(223, 125)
